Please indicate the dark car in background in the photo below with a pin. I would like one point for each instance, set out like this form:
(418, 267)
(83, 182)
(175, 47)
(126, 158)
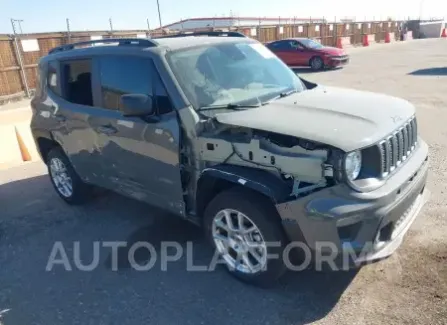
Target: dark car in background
(299, 52)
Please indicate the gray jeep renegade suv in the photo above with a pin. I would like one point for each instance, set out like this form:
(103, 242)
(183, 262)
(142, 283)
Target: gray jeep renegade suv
(214, 128)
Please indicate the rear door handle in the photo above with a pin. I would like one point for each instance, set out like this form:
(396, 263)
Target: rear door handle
(107, 129)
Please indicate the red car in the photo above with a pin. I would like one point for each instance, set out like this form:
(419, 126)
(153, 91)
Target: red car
(307, 52)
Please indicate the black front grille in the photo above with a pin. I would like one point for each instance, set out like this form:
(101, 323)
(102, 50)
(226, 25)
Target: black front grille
(395, 149)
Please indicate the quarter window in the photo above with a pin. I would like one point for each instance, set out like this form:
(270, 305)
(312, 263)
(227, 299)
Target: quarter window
(52, 78)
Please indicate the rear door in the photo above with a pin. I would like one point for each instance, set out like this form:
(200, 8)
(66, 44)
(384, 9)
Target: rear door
(284, 51)
(71, 102)
(139, 156)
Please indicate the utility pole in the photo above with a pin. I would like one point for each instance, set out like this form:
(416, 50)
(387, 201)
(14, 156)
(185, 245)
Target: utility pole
(19, 21)
(148, 28)
(421, 5)
(19, 56)
(159, 14)
(68, 30)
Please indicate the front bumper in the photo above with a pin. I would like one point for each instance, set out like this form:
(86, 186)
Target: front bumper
(360, 227)
(337, 61)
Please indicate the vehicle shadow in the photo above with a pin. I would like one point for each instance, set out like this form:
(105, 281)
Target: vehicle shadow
(307, 70)
(298, 297)
(33, 217)
(430, 72)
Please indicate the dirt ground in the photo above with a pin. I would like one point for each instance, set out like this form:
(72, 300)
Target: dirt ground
(408, 288)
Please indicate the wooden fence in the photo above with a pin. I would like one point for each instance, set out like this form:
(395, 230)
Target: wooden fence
(18, 62)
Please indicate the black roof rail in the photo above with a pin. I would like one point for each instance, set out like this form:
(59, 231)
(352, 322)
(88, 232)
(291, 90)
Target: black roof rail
(210, 33)
(143, 42)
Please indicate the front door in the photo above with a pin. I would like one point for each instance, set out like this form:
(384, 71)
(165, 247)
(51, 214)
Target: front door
(304, 54)
(139, 156)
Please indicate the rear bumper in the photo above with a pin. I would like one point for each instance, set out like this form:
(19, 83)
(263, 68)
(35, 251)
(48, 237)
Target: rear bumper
(358, 228)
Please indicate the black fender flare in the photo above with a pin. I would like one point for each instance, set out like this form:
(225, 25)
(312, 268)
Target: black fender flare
(258, 180)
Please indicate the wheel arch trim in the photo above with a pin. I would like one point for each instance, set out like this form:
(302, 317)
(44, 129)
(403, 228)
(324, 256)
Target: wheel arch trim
(254, 179)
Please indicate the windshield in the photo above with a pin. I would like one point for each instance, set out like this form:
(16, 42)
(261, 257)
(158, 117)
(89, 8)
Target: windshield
(231, 73)
(309, 43)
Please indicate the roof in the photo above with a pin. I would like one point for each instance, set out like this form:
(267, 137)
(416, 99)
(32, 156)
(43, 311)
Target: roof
(191, 41)
(138, 44)
(291, 39)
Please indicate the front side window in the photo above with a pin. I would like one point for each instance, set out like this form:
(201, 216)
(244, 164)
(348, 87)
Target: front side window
(311, 44)
(77, 82)
(121, 75)
(230, 73)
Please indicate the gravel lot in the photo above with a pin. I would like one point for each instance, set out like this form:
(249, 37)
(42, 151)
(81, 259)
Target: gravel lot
(408, 288)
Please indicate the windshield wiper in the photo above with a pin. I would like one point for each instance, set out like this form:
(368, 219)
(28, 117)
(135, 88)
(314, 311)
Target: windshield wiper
(234, 107)
(281, 95)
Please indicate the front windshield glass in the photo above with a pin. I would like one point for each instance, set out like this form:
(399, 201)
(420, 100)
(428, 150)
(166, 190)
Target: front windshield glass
(231, 73)
(311, 44)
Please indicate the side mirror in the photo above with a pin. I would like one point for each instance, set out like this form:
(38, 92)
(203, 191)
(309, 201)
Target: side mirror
(136, 105)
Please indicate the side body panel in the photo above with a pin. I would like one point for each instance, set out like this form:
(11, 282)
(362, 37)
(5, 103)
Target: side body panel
(139, 156)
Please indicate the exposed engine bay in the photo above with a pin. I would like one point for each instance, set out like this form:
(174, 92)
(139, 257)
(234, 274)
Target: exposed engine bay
(301, 164)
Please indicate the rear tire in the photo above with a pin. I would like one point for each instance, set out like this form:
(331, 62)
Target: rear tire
(65, 180)
(316, 63)
(258, 267)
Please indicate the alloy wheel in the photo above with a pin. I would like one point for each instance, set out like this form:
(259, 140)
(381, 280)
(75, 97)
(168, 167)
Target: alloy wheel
(61, 178)
(239, 241)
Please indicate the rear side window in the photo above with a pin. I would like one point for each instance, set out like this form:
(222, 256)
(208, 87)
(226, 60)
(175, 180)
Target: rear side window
(77, 82)
(52, 78)
(121, 75)
(282, 45)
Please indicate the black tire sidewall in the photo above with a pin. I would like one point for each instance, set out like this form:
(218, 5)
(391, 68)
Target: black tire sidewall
(313, 60)
(264, 215)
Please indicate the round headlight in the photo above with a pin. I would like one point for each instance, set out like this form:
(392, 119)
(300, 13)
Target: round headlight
(353, 164)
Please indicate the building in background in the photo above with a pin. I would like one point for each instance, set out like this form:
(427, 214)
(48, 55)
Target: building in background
(236, 22)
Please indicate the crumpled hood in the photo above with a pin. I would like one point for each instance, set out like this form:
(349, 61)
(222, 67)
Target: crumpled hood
(343, 118)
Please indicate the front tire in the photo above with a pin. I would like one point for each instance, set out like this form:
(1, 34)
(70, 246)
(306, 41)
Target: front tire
(317, 63)
(245, 231)
(65, 180)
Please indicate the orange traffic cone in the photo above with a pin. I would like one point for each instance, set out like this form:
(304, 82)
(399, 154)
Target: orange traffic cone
(444, 33)
(339, 43)
(23, 149)
(365, 40)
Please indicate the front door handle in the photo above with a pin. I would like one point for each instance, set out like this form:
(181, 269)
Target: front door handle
(107, 129)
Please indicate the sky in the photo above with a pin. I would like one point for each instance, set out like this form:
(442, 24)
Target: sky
(50, 15)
